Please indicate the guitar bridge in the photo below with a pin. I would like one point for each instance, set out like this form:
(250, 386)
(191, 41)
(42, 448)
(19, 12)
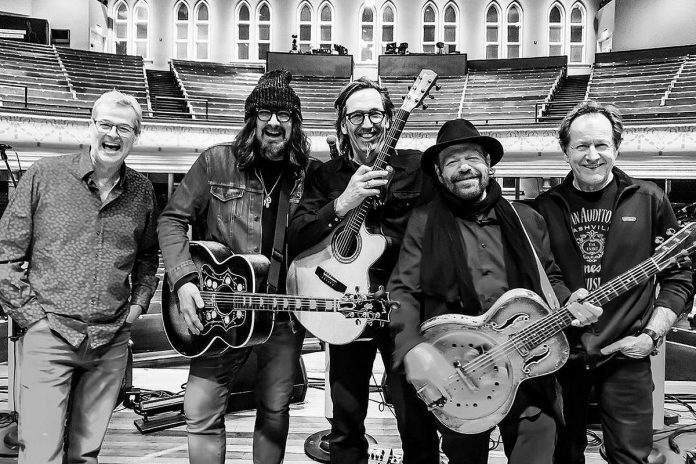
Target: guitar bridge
(330, 280)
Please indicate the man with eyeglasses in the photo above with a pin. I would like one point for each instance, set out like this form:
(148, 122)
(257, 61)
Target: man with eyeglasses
(240, 194)
(364, 113)
(77, 229)
(602, 223)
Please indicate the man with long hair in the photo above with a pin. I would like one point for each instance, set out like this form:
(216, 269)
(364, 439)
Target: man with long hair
(364, 114)
(233, 194)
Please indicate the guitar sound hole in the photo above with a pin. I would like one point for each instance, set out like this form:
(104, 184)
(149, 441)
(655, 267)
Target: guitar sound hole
(346, 245)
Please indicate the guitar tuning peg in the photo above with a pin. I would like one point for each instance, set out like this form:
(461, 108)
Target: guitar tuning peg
(425, 107)
(403, 97)
(438, 87)
(659, 240)
(432, 97)
(670, 231)
(409, 88)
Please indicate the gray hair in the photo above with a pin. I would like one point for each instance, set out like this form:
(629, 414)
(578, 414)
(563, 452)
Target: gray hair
(611, 112)
(121, 99)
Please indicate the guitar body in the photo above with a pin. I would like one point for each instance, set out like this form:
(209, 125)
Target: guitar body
(323, 271)
(221, 273)
(485, 388)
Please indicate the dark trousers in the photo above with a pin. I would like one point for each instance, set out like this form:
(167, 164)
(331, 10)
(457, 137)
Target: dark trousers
(350, 371)
(527, 440)
(207, 395)
(623, 388)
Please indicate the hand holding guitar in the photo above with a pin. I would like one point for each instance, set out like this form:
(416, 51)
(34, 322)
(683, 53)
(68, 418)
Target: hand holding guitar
(429, 371)
(189, 300)
(585, 313)
(364, 183)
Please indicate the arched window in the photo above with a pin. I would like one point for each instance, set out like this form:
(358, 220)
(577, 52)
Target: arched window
(121, 28)
(181, 31)
(367, 33)
(556, 30)
(202, 31)
(263, 24)
(388, 25)
(305, 22)
(243, 31)
(513, 31)
(451, 31)
(141, 18)
(493, 31)
(429, 28)
(577, 34)
(326, 25)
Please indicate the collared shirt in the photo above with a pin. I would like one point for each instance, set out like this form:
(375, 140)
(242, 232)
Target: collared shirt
(483, 242)
(67, 256)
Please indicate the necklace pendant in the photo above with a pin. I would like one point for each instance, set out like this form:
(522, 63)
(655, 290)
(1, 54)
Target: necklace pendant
(267, 202)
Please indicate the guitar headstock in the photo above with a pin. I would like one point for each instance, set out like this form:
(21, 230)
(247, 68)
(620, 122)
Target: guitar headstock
(419, 90)
(676, 249)
(373, 307)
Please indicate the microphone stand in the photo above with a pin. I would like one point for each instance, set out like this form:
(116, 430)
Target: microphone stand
(9, 446)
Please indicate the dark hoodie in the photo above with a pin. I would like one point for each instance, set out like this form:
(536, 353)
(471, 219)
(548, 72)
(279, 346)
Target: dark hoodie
(641, 213)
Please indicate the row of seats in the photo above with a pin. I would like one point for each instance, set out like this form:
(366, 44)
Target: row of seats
(63, 79)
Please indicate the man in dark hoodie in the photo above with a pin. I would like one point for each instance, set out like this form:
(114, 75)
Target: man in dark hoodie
(460, 254)
(602, 223)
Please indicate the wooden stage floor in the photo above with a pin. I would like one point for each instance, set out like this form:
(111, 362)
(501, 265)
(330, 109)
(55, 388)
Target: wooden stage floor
(125, 445)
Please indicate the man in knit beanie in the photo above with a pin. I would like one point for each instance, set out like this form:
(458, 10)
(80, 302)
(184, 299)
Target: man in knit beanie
(241, 194)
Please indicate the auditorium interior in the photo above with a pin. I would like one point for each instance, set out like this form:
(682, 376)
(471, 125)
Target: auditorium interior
(512, 67)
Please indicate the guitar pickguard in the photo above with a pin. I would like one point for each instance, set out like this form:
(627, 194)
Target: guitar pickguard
(220, 313)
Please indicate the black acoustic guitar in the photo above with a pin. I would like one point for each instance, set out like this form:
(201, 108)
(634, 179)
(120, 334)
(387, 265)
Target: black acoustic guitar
(234, 315)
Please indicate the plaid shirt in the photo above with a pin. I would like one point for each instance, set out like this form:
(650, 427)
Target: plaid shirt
(67, 256)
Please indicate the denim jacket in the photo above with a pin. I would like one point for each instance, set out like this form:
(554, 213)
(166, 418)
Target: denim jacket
(222, 203)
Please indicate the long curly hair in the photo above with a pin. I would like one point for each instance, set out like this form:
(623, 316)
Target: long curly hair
(247, 147)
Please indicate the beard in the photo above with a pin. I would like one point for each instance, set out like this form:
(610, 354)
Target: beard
(471, 192)
(273, 151)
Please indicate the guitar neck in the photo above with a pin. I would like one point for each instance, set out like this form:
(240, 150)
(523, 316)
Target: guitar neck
(272, 302)
(357, 216)
(547, 327)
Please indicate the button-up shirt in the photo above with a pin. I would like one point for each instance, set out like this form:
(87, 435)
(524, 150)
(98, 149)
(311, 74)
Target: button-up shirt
(68, 256)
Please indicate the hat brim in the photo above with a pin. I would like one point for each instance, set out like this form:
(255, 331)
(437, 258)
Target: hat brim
(492, 146)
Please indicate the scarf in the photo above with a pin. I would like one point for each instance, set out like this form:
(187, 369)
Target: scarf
(445, 276)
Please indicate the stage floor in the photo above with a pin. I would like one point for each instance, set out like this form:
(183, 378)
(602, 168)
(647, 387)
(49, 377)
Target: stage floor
(125, 445)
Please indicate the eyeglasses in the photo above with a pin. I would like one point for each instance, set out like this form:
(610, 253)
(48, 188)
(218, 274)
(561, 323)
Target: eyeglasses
(124, 130)
(358, 117)
(266, 115)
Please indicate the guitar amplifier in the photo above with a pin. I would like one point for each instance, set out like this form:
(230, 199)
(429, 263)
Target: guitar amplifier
(242, 391)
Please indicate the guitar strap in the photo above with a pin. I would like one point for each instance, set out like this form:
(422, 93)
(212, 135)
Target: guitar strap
(549, 294)
(281, 225)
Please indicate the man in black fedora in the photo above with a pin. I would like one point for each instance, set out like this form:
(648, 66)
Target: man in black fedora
(460, 253)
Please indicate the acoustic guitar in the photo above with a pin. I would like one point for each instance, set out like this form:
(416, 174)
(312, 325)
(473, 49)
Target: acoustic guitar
(342, 260)
(518, 338)
(234, 315)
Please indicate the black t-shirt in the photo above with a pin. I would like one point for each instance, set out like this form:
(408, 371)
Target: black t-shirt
(270, 172)
(590, 217)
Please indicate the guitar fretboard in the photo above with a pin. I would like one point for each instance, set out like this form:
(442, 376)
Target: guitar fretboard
(269, 302)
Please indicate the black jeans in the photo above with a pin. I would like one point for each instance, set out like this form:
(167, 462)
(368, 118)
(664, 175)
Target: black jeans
(623, 387)
(528, 440)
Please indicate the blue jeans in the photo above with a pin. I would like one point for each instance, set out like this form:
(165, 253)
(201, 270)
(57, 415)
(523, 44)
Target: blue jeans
(208, 389)
(59, 383)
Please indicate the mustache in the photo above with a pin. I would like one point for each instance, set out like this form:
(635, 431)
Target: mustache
(274, 130)
(464, 177)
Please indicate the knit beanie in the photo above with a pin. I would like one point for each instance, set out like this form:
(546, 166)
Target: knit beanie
(273, 92)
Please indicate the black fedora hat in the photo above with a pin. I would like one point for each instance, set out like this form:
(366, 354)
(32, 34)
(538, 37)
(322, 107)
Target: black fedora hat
(459, 131)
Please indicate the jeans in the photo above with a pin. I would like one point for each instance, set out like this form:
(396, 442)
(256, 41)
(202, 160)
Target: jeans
(208, 389)
(623, 387)
(59, 382)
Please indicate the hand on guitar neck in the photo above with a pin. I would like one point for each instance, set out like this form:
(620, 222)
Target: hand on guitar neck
(364, 183)
(190, 299)
(585, 313)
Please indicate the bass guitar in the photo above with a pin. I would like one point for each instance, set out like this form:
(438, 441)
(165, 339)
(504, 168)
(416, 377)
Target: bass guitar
(518, 338)
(342, 260)
(234, 315)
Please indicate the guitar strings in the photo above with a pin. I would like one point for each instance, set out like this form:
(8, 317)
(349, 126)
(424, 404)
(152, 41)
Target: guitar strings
(487, 359)
(358, 215)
